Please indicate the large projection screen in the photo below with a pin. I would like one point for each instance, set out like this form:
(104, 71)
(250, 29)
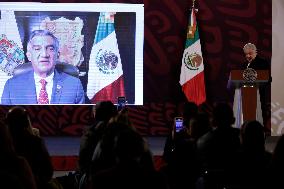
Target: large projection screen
(104, 41)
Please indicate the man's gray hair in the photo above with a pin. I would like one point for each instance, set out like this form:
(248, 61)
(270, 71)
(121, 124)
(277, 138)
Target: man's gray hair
(43, 33)
(250, 46)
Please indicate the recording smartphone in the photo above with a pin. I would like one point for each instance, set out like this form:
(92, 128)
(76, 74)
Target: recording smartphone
(178, 124)
(121, 102)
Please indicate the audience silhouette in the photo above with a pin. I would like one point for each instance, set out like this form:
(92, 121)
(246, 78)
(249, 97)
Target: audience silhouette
(252, 160)
(208, 153)
(276, 166)
(103, 111)
(30, 145)
(130, 169)
(103, 156)
(217, 148)
(189, 110)
(15, 171)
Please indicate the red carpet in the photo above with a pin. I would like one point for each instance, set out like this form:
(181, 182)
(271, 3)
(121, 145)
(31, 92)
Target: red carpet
(64, 163)
(69, 163)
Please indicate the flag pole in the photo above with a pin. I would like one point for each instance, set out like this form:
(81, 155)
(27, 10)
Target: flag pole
(193, 6)
(192, 69)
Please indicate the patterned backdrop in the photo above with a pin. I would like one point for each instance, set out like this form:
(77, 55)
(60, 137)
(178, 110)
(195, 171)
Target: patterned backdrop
(225, 26)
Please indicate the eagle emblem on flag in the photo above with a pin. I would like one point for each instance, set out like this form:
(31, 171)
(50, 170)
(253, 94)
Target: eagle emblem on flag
(192, 61)
(106, 61)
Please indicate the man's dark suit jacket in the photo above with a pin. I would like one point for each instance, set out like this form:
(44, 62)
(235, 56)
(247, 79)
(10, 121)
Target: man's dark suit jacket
(258, 64)
(21, 89)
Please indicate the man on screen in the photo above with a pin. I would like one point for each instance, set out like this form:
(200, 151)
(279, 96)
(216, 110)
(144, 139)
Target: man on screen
(43, 85)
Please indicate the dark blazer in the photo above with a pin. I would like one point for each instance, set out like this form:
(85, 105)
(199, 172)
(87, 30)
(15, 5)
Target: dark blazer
(258, 64)
(21, 89)
(34, 150)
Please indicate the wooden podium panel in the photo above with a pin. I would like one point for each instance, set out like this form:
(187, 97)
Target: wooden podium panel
(249, 93)
(249, 101)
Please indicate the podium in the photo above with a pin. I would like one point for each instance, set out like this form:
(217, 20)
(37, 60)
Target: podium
(247, 105)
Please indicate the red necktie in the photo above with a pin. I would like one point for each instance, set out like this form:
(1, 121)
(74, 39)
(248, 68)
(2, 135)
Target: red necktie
(43, 97)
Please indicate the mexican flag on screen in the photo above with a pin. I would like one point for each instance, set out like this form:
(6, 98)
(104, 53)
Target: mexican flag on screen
(105, 76)
(192, 68)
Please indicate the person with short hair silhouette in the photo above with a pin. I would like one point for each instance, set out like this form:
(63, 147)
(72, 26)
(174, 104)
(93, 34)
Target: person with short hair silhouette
(30, 145)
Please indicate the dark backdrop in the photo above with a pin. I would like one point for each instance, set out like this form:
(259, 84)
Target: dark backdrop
(225, 26)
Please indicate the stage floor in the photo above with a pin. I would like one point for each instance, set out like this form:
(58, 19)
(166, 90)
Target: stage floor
(69, 146)
(64, 150)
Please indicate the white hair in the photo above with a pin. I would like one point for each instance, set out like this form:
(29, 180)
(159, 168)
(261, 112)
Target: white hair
(250, 46)
(42, 33)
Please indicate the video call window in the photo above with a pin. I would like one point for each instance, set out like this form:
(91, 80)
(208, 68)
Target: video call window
(71, 53)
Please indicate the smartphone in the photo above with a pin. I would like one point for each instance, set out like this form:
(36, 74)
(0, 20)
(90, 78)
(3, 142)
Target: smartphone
(178, 124)
(121, 102)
